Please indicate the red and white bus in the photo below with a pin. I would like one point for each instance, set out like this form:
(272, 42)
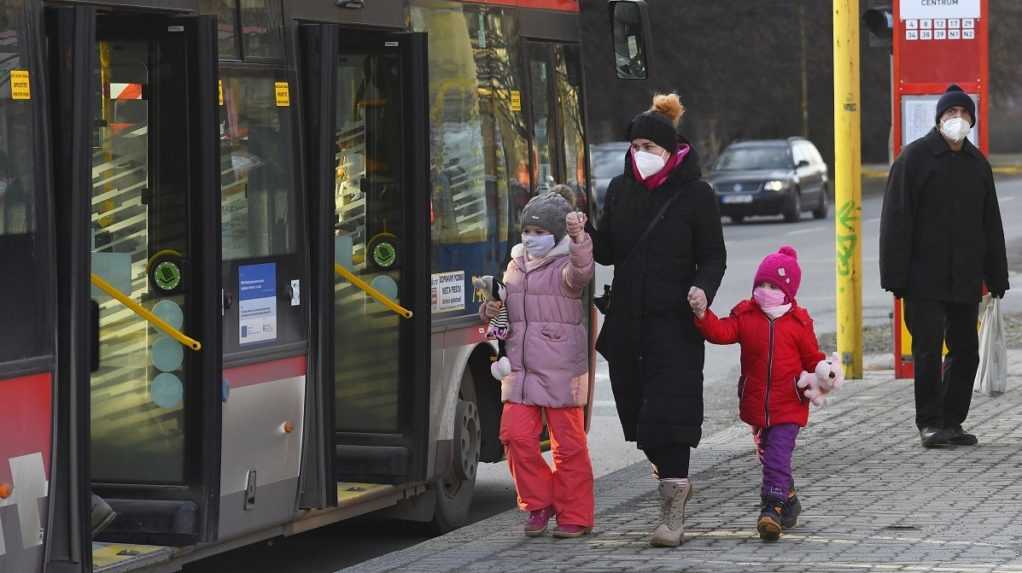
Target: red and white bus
(237, 241)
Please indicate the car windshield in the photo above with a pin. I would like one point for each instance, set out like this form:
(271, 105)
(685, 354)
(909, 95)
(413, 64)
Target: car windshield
(748, 158)
(608, 163)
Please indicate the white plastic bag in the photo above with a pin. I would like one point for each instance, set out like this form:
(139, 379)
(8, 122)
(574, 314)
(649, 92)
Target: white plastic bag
(992, 374)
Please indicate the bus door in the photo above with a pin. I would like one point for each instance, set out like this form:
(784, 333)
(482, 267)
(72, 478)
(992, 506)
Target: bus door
(137, 222)
(36, 503)
(373, 183)
(265, 281)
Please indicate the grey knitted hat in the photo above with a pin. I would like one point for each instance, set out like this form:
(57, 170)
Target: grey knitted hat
(548, 211)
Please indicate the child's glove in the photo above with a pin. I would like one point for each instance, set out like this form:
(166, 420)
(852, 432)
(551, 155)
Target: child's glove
(576, 222)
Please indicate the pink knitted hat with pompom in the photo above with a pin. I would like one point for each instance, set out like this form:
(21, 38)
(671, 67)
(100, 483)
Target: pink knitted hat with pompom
(781, 270)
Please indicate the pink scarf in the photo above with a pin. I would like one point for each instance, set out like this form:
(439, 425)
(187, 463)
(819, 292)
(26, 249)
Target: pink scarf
(657, 179)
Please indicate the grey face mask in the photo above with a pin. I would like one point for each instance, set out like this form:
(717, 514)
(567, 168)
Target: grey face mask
(538, 245)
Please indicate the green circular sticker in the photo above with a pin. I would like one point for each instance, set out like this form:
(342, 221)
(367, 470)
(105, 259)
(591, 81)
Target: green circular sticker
(384, 254)
(167, 275)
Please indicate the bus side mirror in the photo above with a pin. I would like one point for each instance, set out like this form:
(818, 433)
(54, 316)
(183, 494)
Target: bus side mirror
(629, 23)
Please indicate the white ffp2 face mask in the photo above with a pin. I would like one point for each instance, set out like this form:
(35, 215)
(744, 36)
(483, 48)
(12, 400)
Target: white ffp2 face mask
(648, 163)
(956, 129)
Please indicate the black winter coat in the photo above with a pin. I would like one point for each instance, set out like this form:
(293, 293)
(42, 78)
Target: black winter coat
(941, 234)
(649, 337)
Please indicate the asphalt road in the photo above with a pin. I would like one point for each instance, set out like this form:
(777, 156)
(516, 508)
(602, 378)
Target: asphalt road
(332, 548)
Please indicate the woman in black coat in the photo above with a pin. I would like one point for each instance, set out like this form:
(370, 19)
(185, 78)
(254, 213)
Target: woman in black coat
(649, 338)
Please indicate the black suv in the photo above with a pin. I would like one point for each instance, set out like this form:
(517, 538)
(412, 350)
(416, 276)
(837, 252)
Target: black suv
(771, 177)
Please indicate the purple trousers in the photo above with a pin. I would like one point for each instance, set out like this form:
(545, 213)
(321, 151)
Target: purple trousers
(774, 446)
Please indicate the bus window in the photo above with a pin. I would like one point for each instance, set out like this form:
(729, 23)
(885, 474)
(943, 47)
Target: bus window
(543, 131)
(368, 197)
(24, 289)
(138, 393)
(505, 132)
(569, 97)
(257, 177)
(257, 35)
(260, 29)
(226, 27)
(480, 165)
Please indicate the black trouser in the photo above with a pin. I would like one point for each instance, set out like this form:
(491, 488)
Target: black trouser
(943, 391)
(669, 461)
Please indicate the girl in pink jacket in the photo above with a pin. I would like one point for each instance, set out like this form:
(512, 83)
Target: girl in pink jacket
(547, 346)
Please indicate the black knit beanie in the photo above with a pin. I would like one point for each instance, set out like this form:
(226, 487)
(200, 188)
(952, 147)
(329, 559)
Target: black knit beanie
(955, 96)
(655, 127)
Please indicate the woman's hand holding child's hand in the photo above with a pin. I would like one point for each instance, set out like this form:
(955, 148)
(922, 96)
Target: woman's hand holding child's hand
(697, 300)
(576, 225)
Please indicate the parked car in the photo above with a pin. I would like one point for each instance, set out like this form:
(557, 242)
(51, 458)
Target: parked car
(607, 161)
(771, 177)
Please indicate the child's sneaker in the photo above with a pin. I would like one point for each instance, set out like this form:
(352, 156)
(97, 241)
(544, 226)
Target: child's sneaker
(792, 509)
(537, 522)
(571, 531)
(769, 524)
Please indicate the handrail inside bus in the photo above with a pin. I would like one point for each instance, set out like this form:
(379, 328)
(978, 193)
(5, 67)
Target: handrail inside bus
(369, 290)
(145, 313)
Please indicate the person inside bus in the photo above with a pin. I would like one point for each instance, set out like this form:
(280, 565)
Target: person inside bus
(660, 229)
(548, 350)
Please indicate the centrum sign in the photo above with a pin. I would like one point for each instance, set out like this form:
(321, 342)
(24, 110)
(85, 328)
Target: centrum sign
(929, 9)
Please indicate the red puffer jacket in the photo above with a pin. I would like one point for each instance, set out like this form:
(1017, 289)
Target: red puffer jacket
(774, 354)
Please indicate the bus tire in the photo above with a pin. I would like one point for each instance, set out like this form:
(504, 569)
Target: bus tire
(455, 489)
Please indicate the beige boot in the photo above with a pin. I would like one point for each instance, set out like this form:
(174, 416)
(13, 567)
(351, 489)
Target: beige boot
(673, 497)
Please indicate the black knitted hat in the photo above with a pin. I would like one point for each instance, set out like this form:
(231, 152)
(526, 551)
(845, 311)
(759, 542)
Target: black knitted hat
(955, 96)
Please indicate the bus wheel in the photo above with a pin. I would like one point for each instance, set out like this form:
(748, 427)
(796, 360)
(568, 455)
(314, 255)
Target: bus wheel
(454, 490)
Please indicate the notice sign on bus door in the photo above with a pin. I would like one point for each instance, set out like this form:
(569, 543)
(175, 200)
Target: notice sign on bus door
(20, 87)
(448, 291)
(282, 94)
(257, 303)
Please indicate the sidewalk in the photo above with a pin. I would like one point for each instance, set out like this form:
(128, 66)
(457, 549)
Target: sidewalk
(873, 498)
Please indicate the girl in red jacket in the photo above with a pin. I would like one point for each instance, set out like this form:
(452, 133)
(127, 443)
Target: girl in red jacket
(778, 343)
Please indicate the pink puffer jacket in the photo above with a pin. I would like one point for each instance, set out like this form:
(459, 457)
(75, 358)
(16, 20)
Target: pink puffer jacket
(548, 343)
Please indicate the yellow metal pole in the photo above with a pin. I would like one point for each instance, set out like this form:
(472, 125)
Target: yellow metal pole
(145, 313)
(369, 290)
(848, 185)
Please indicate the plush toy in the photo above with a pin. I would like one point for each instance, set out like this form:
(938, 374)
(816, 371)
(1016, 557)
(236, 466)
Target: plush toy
(829, 376)
(490, 289)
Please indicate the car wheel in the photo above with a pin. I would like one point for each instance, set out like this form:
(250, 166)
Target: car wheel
(794, 210)
(822, 210)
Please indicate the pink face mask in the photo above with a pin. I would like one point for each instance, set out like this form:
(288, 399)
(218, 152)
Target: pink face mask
(768, 298)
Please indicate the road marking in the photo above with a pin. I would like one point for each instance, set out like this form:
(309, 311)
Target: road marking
(806, 231)
(1006, 199)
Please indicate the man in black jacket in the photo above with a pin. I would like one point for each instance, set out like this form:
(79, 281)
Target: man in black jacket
(940, 238)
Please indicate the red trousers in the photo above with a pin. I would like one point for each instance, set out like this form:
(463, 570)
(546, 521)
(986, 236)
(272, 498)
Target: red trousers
(568, 487)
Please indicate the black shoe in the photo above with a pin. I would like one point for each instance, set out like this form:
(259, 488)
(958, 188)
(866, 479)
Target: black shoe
(770, 518)
(101, 515)
(792, 509)
(933, 437)
(957, 436)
